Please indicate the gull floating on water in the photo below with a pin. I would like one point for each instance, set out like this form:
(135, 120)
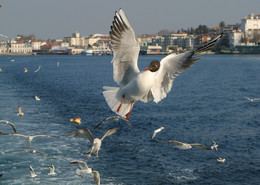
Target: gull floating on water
(214, 146)
(157, 130)
(30, 138)
(37, 98)
(52, 170)
(33, 174)
(115, 118)
(12, 60)
(95, 142)
(185, 146)
(76, 121)
(151, 84)
(252, 99)
(221, 160)
(34, 151)
(9, 123)
(26, 70)
(86, 170)
(20, 112)
(37, 69)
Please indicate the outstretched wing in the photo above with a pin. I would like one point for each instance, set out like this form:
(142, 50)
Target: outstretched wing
(9, 123)
(83, 165)
(171, 66)
(96, 177)
(108, 133)
(125, 48)
(114, 118)
(200, 146)
(83, 132)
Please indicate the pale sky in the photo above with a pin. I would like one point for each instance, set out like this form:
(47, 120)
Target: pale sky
(60, 18)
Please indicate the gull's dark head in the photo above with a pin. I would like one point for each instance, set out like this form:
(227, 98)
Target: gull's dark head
(154, 66)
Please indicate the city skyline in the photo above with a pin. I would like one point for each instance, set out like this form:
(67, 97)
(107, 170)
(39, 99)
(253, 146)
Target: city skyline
(53, 19)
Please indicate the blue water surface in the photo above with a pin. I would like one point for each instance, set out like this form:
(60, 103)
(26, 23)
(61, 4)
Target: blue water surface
(207, 102)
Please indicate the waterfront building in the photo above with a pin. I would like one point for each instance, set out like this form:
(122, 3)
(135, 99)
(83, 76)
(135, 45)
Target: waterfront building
(76, 40)
(146, 40)
(19, 47)
(250, 23)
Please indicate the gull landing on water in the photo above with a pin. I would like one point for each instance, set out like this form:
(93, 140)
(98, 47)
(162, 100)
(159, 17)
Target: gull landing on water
(86, 170)
(20, 112)
(157, 130)
(151, 84)
(52, 170)
(185, 146)
(214, 146)
(221, 160)
(95, 142)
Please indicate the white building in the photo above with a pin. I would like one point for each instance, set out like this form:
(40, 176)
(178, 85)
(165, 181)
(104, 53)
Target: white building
(235, 38)
(76, 40)
(250, 23)
(19, 47)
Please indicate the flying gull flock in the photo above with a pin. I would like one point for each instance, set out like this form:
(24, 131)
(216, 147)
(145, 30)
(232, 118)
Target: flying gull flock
(152, 84)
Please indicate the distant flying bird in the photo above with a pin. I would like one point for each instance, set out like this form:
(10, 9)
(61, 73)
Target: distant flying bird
(252, 99)
(34, 152)
(52, 170)
(95, 142)
(115, 118)
(58, 64)
(221, 160)
(1, 69)
(76, 121)
(20, 112)
(9, 123)
(157, 130)
(154, 82)
(185, 146)
(26, 70)
(12, 60)
(30, 138)
(33, 174)
(214, 146)
(37, 69)
(37, 98)
(86, 170)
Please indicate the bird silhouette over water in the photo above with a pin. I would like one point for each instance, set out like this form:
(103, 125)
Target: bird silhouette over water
(151, 84)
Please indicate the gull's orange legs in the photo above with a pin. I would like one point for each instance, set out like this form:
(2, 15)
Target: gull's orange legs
(118, 109)
(129, 113)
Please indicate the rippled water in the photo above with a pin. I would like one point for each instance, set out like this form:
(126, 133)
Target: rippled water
(207, 102)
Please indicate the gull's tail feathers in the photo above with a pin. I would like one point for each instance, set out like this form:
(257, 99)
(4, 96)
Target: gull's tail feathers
(114, 101)
(208, 45)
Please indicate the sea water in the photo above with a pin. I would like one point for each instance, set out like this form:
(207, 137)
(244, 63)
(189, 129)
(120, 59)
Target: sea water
(207, 102)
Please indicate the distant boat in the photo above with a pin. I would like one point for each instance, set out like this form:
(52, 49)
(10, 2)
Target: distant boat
(88, 52)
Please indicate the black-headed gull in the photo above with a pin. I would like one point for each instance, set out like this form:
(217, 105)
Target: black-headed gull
(115, 118)
(157, 130)
(9, 123)
(151, 84)
(95, 142)
(185, 146)
(20, 112)
(86, 170)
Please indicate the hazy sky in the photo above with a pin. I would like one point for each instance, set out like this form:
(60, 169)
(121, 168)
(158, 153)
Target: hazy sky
(60, 18)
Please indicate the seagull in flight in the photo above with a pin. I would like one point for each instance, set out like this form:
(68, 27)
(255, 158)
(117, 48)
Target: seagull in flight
(34, 151)
(52, 170)
(115, 118)
(185, 146)
(214, 146)
(33, 174)
(20, 112)
(26, 70)
(252, 99)
(1, 69)
(37, 98)
(9, 123)
(30, 138)
(221, 160)
(157, 130)
(86, 170)
(76, 121)
(37, 69)
(151, 84)
(95, 142)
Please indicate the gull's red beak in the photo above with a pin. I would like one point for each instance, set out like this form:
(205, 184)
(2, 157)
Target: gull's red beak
(147, 68)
